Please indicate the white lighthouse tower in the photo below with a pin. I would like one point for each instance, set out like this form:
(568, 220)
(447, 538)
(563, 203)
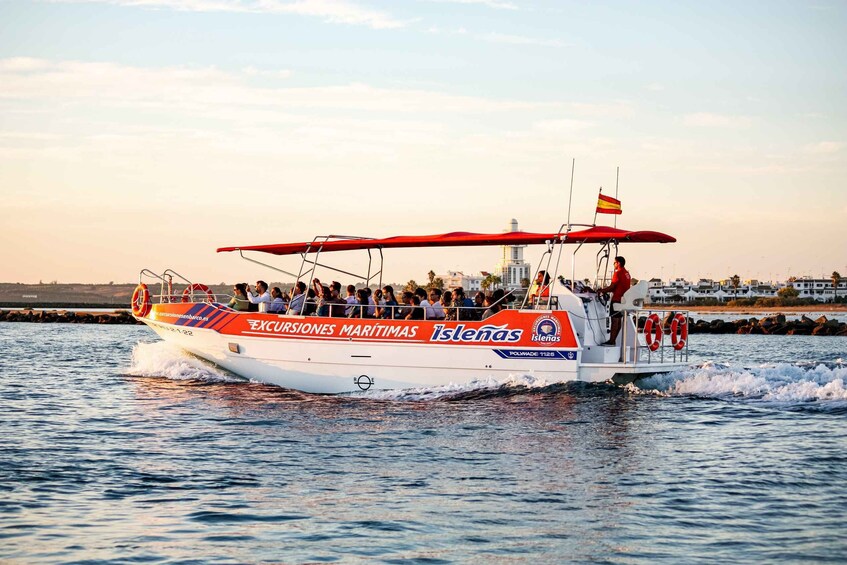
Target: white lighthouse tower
(512, 267)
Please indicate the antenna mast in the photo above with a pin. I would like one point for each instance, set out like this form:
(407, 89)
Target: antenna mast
(617, 177)
(570, 196)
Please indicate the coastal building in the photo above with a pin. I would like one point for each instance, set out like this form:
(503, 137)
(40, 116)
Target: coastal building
(512, 267)
(819, 289)
(681, 290)
(469, 283)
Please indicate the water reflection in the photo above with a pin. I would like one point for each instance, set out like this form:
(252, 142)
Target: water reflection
(96, 464)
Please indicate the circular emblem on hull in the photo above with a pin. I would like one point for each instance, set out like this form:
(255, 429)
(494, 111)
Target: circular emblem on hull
(364, 382)
(546, 330)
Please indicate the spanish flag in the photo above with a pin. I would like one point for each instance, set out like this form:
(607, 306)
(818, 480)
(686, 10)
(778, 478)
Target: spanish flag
(608, 205)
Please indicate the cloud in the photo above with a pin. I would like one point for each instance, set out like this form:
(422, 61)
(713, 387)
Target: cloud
(23, 64)
(253, 71)
(496, 4)
(199, 89)
(564, 125)
(823, 148)
(332, 11)
(498, 37)
(709, 120)
(614, 110)
(519, 40)
(71, 109)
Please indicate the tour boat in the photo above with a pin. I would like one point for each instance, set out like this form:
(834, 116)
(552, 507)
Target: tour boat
(554, 335)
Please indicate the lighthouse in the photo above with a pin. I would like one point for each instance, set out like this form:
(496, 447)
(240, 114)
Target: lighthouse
(512, 267)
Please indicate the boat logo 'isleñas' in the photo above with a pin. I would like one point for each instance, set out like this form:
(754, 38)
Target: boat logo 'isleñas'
(488, 332)
(546, 329)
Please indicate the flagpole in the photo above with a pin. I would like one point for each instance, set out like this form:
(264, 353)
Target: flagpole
(595, 210)
(617, 177)
(570, 196)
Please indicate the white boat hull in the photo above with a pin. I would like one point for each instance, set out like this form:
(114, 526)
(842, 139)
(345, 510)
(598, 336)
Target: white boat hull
(339, 355)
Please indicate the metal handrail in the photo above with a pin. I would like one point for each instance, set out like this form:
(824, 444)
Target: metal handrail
(665, 345)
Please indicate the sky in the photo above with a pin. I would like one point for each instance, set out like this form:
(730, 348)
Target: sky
(148, 133)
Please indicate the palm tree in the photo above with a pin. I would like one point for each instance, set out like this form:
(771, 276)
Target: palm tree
(431, 276)
(735, 281)
(490, 281)
(836, 278)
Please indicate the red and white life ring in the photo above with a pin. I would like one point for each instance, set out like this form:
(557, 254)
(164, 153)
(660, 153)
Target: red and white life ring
(653, 332)
(679, 331)
(141, 303)
(197, 287)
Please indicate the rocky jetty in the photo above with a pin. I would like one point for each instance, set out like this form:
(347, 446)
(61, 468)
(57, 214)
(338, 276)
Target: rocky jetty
(776, 324)
(67, 317)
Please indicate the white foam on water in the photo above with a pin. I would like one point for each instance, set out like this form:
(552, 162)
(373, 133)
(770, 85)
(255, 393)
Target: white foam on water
(160, 359)
(452, 389)
(784, 383)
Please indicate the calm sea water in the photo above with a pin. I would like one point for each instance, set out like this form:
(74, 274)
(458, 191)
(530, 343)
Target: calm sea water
(116, 448)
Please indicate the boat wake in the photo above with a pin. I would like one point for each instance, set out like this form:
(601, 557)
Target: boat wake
(160, 359)
(782, 383)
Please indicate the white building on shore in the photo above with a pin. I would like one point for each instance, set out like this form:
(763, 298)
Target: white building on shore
(470, 283)
(819, 289)
(681, 290)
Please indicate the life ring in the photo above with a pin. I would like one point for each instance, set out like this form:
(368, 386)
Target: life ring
(141, 303)
(679, 324)
(197, 287)
(652, 335)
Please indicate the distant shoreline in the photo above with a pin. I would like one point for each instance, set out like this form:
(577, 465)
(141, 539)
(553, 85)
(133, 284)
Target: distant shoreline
(754, 309)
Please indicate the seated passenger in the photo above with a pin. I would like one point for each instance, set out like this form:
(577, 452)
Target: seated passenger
(298, 295)
(405, 305)
(447, 305)
(239, 300)
(540, 289)
(494, 303)
(360, 308)
(424, 303)
(261, 298)
(435, 310)
(371, 302)
(350, 298)
(390, 307)
(379, 303)
(462, 304)
(478, 306)
(324, 300)
(311, 303)
(278, 304)
(415, 311)
(337, 305)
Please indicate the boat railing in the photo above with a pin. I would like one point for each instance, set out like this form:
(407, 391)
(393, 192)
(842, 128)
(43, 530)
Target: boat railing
(166, 287)
(661, 335)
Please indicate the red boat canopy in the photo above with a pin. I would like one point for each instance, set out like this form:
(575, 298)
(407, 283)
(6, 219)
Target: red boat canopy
(597, 234)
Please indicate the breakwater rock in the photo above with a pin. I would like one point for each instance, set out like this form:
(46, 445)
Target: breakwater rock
(776, 324)
(67, 317)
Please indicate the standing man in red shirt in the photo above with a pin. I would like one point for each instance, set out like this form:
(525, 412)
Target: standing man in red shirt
(621, 281)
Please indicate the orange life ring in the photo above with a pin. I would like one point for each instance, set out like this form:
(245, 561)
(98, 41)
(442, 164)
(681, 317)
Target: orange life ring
(680, 325)
(141, 303)
(651, 335)
(198, 287)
